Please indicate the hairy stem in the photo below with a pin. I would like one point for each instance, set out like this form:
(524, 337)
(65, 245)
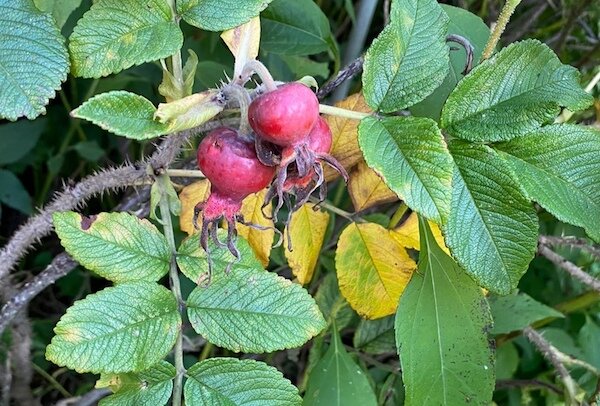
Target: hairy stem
(165, 214)
(507, 12)
(261, 70)
(339, 112)
(572, 269)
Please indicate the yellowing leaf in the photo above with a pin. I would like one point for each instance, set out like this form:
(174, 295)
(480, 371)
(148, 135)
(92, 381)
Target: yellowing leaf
(372, 268)
(191, 111)
(367, 189)
(307, 230)
(190, 196)
(243, 42)
(345, 134)
(260, 240)
(407, 234)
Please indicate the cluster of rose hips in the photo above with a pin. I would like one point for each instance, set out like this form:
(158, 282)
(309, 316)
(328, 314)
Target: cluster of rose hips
(285, 150)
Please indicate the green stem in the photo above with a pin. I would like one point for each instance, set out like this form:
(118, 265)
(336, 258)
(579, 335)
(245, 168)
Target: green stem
(261, 70)
(165, 214)
(339, 112)
(398, 216)
(52, 381)
(507, 12)
(185, 173)
(176, 62)
(208, 347)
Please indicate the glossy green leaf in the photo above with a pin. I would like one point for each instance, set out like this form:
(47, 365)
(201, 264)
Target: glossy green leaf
(150, 387)
(230, 381)
(471, 27)
(122, 113)
(409, 59)
(60, 9)
(337, 380)
(33, 59)
(492, 229)
(515, 312)
(411, 157)
(13, 193)
(266, 312)
(115, 35)
(441, 326)
(192, 262)
(219, 15)
(375, 336)
(17, 139)
(558, 166)
(294, 27)
(517, 90)
(117, 246)
(125, 328)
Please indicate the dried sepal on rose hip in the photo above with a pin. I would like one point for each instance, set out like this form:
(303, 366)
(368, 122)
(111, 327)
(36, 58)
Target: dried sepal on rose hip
(288, 118)
(230, 163)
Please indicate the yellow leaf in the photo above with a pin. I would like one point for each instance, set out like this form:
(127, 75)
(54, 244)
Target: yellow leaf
(191, 111)
(345, 134)
(367, 189)
(243, 42)
(260, 240)
(307, 230)
(407, 234)
(372, 268)
(190, 196)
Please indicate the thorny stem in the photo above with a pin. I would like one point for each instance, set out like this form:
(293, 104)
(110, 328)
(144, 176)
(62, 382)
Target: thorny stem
(339, 112)
(165, 214)
(507, 12)
(261, 70)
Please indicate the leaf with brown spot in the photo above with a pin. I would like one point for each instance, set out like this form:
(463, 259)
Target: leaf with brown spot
(372, 268)
(307, 230)
(367, 189)
(345, 135)
(261, 241)
(190, 196)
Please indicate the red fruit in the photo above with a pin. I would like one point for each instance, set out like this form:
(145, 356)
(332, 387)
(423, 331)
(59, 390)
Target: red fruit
(231, 165)
(320, 137)
(284, 116)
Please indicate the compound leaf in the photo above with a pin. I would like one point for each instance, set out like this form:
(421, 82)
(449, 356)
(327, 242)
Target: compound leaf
(117, 246)
(409, 59)
(33, 59)
(230, 381)
(410, 155)
(441, 326)
(125, 328)
(517, 90)
(492, 229)
(122, 113)
(558, 166)
(115, 35)
(266, 312)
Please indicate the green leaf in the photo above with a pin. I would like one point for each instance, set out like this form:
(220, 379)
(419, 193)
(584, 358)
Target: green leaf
(507, 361)
(558, 166)
(125, 328)
(219, 15)
(517, 90)
(468, 26)
(192, 262)
(492, 229)
(122, 113)
(332, 304)
(115, 35)
(117, 246)
(588, 339)
(89, 150)
(60, 9)
(17, 139)
(375, 336)
(515, 312)
(33, 59)
(234, 382)
(13, 193)
(266, 312)
(409, 59)
(562, 340)
(150, 387)
(337, 380)
(294, 27)
(441, 326)
(410, 155)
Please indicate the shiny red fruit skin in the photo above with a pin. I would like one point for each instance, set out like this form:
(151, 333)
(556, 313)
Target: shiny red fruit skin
(320, 137)
(231, 165)
(284, 116)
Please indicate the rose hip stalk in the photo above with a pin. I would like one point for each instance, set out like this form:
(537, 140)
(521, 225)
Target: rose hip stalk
(229, 162)
(288, 117)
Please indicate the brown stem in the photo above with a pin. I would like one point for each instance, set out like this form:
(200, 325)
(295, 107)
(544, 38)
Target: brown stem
(346, 73)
